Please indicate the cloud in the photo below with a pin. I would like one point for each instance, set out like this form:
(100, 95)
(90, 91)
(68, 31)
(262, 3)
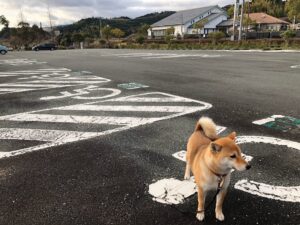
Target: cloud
(68, 11)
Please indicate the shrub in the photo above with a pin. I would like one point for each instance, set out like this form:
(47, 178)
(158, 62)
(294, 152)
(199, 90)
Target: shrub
(287, 35)
(216, 36)
(140, 39)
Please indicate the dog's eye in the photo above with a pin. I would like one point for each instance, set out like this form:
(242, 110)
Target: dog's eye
(233, 156)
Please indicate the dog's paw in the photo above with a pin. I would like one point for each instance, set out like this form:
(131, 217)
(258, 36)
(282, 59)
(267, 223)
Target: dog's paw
(220, 216)
(200, 216)
(187, 177)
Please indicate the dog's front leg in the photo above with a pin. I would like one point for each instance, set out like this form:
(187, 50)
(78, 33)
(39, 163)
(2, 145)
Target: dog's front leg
(219, 204)
(201, 201)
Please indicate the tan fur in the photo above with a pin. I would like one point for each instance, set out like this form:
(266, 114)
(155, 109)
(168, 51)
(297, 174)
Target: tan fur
(207, 158)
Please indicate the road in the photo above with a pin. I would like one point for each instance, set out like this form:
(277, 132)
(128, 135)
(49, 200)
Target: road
(86, 134)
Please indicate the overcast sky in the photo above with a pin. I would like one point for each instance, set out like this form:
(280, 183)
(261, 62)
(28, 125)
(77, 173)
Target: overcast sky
(68, 11)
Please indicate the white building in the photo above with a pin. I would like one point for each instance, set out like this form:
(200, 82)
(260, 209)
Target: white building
(183, 21)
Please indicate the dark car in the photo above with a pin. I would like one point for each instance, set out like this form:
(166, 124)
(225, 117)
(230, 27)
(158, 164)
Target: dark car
(47, 46)
(3, 49)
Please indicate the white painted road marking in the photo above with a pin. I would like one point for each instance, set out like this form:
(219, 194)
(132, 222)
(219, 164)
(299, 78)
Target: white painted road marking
(164, 55)
(40, 134)
(50, 118)
(295, 67)
(289, 194)
(266, 120)
(173, 191)
(78, 93)
(20, 62)
(129, 108)
(42, 79)
(181, 155)
(124, 123)
(281, 193)
(132, 86)
(33, 73)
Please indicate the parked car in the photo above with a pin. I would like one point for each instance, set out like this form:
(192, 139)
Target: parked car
(47, 46)
(3, 50)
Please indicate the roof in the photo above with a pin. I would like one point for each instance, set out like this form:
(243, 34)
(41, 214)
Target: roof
(263, 18)
(182, 17)
(226, 23)
(210, 17)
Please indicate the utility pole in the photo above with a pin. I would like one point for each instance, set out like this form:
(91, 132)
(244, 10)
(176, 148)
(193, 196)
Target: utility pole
(21, 15)
(248, 19)
(241, 21)
(50, 22)
(235, 13)
(182, 25)
(100, 27)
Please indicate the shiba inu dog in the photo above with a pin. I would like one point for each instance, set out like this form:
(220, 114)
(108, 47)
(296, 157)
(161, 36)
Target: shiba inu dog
(211, 159)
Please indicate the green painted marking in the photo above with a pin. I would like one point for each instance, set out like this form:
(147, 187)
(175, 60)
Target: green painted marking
(285, 124)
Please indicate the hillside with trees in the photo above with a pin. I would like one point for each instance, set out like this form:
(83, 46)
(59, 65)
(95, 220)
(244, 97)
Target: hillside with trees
(87, 30)
(91, 28)
(97, 31)
(276, 8)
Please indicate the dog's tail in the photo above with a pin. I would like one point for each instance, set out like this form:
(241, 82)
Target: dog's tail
(208, 126)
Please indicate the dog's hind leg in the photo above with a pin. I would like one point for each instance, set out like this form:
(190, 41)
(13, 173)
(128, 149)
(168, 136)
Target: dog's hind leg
(187, 174)
(201, 201)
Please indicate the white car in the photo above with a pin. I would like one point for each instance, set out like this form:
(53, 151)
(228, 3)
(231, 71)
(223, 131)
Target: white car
(3, 50)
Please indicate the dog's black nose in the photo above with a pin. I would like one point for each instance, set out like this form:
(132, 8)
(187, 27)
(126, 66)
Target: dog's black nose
(248, 167)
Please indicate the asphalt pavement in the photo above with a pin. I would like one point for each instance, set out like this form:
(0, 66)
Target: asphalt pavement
(85, 134)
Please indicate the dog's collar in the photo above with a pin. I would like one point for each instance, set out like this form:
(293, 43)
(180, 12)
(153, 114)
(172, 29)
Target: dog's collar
(217, 174)
(221, 179)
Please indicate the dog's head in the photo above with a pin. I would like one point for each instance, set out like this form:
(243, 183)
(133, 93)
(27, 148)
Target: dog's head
(227, 154)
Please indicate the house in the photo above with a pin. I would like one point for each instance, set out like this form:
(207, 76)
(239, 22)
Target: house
(258, 22)
(265, 22)
(183, 21)
(226, 26)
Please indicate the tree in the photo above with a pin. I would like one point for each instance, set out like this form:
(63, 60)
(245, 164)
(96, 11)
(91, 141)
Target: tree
(287, 35)
(292, 8)
(216, 36)
(23, 24)
(118, 33)
(5, 32)
(4, 21)
(143, 30)
(169, 34)
(25, 34)
(199, 26)
(77, 37)
(106, 31)
(272, 7)
(230, 11)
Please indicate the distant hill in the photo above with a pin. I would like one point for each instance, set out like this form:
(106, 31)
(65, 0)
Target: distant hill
(126, 24)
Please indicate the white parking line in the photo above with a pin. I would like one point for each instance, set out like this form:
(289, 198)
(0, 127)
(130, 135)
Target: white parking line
(50, 118)
(46, 79)
(40, 134)
(129, 108)
(66, 115)
(164, 55)
(20, 62)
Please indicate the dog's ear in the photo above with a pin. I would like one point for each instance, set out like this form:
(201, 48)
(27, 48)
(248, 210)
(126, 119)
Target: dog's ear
(215, 147)
(232, 136)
